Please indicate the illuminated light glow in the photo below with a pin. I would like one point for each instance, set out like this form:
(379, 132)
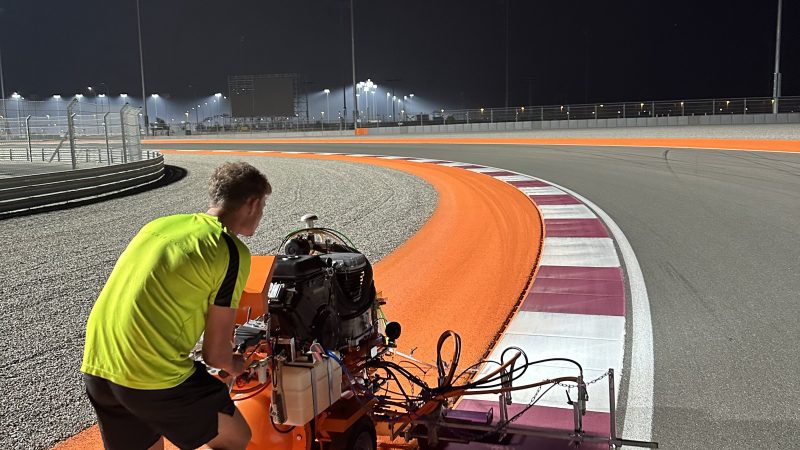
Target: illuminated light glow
(123, 95)
(154, 96)
(57, 97)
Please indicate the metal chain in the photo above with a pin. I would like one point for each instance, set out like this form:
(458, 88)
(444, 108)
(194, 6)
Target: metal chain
(589, 383)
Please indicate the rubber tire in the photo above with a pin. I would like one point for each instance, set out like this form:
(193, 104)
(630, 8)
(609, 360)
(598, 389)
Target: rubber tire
(361, 436)
(423, 445)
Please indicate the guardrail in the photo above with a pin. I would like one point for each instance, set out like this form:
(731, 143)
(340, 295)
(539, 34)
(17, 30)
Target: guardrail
(23, 194)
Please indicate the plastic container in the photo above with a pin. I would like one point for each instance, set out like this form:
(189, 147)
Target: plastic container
(301, 384)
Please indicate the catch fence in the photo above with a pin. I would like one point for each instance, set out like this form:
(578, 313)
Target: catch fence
(77, 138)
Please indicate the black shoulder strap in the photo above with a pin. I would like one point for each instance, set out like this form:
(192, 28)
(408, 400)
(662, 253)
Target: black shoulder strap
(225, 293)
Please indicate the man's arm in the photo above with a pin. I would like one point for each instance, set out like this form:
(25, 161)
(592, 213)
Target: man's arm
(217, 346)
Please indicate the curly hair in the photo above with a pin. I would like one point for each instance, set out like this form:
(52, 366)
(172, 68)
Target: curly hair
(234, 183)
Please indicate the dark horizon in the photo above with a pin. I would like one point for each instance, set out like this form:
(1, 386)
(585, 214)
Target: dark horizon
(449, 51)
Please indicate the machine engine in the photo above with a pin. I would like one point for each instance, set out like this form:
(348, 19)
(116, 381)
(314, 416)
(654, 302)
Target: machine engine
(322, 290)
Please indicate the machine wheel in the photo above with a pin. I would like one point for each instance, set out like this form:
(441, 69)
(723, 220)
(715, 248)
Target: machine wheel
(423, 445)
(361, 436)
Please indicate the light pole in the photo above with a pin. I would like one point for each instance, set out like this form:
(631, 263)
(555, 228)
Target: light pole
(410, 96)
(776, 81)
(361, 87)
(2, 86)
(388, 94)
(366, 87)
(141, 64)
(506, 96)
(374, 108)
(17, 97)
(155, 104)
(327, 102)
(353, 59)
(218, 100)
(103, 96)
(57, 99)
(394, 100)
(90, 91)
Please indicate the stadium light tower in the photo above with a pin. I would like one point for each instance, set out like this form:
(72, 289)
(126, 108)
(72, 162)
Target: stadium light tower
(57, 99)
(155, 102)
(17, 97)
(327, 93)
(218, 101)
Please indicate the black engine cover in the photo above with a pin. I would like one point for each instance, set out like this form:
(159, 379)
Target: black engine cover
(300, 298)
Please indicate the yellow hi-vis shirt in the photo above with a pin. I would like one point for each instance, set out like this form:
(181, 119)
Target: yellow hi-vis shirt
(153, 307)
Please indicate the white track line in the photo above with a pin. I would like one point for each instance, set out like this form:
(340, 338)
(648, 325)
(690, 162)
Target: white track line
(639, 405)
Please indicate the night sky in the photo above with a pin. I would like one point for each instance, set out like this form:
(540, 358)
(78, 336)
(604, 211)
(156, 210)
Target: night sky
(453, 51)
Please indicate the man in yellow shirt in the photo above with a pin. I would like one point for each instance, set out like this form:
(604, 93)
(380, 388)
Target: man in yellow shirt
(180, 276)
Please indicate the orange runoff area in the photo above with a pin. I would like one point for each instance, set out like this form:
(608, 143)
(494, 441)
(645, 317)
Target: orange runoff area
(465, 270)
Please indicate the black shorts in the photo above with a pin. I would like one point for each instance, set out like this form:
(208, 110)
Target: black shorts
(134, 419)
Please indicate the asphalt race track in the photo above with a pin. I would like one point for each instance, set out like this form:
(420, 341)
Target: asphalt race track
(716, 234)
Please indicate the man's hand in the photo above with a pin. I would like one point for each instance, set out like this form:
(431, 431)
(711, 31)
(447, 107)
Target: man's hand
(237, 365)
(217, 347)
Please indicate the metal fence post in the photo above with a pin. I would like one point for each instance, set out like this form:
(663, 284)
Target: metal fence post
(71, 130)
(122, 131)
(29, 155)
(71, 134)
(108, 149)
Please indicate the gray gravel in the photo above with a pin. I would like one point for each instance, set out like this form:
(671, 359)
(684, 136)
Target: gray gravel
(55, 264)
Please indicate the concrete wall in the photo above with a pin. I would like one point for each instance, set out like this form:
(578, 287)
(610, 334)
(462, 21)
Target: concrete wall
(586, 124)
(728, 119)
